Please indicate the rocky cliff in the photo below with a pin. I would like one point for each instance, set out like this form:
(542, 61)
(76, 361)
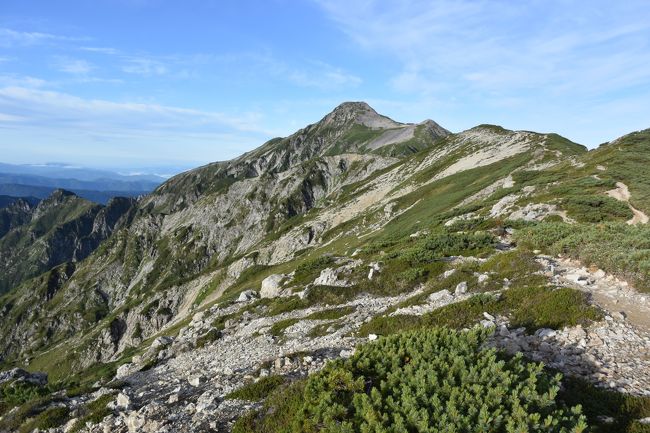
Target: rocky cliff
(62, 228)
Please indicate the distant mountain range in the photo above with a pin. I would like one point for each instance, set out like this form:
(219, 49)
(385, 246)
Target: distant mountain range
(60, 170)
(100, 186)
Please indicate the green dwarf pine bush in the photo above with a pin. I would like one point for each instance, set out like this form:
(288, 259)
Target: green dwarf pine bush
(436, 380)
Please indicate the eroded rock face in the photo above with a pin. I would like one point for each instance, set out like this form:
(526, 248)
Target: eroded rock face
(20, 375)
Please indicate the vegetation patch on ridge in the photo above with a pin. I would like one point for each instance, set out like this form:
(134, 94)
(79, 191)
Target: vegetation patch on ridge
(427, 381)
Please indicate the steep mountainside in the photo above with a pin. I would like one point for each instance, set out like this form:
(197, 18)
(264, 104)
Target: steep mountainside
(353, 227)
(191, 228)
(62, 228)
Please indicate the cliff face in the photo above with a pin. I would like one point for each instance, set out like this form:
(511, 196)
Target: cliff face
(62, 228)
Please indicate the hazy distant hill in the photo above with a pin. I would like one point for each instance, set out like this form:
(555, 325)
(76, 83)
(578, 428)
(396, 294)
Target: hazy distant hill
(65, 171)
(42, 192)
(95, 185)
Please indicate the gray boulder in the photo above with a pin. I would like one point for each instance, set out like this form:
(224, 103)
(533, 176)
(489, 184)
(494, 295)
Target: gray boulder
(271, 286)
(247, 295)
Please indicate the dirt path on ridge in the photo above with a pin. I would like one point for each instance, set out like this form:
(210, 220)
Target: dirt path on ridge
(622, 193)
(608, 292)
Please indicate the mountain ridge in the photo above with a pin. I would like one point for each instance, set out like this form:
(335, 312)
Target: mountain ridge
(323, 226)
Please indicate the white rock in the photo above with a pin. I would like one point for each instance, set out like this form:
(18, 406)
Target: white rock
(125, 370)
(196, 380)
(487, 323)
(599, 274)
(461, 288)
(123, 401)
(488, 316)
(645, 420)
(545, 333)
(448, 273)
(440, 295)
(271, 286)
(372, 337)
(204, 401)
(162, 341)
(330, 277)
(69, 425)
(247, 295)
(483, 278)
(135, 422)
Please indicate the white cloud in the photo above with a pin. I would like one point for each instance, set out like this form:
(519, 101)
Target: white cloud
(74, 66)
(322, 76)
(503, 46)
(10, 38)
(101, 50)
(21, 81)
(48, 108)
(10, 118)
(144, 66)
(307, 73)
(46, 122)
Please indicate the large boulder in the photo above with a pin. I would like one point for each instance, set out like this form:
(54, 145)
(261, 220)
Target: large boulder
(330, 277)
(271, 286)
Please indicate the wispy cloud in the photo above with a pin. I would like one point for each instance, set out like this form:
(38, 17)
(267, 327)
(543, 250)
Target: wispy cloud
(306, 73)
(21, 81)
(501, 46)
(144, 66)
(122, 129)
(10, 38)
(73, 66)
(42, 107)
(320, 75)
(102, 50)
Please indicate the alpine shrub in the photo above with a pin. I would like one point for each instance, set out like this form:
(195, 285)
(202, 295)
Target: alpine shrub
(435, 380)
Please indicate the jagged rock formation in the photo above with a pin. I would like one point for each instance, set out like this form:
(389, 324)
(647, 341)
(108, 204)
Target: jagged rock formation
(62, 228)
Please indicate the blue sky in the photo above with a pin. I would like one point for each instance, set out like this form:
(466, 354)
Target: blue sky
(144, 83)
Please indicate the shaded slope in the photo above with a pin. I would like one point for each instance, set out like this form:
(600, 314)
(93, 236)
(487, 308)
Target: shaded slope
(59, 229)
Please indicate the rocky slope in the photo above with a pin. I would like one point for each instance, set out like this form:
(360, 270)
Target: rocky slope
(353, 227)
(196, 229)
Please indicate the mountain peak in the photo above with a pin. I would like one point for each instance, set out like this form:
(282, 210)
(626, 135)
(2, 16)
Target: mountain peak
(353, 106)
(358, 112)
